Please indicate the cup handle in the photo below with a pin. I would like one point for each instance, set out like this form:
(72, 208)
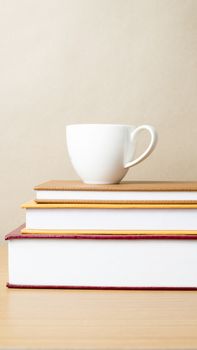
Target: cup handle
(150, 147)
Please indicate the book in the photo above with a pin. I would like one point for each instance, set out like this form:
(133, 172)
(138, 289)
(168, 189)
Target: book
(110, 217)
(102, 262)
(62, 191)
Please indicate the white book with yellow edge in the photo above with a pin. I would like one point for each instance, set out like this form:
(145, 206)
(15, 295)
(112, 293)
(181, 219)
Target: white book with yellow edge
(110, 217)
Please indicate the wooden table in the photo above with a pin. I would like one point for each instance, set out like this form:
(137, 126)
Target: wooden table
(65, 319)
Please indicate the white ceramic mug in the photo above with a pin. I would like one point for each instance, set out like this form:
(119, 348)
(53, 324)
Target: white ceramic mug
(103, 153)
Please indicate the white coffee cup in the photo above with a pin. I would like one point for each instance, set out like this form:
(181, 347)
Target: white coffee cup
(103, 153)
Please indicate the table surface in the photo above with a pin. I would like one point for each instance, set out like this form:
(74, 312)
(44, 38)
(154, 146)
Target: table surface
(66, 319)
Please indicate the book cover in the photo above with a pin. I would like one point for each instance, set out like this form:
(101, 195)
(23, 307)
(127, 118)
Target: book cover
(110, 216)
(131, 262)
(60, 185)
(62, 191)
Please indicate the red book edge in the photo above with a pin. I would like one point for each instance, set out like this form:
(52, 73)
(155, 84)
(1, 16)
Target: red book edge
(21, 286)
(16, 234)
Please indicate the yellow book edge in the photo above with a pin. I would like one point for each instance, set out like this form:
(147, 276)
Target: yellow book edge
(111, 232)
(34, 205)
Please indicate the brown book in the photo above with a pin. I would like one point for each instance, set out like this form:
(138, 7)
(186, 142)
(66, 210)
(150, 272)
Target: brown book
(62, 191)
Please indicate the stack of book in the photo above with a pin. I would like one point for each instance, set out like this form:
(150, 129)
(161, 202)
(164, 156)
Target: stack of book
(132, 235)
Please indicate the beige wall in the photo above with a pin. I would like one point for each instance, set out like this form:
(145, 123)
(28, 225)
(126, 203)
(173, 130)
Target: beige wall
(73, 61)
